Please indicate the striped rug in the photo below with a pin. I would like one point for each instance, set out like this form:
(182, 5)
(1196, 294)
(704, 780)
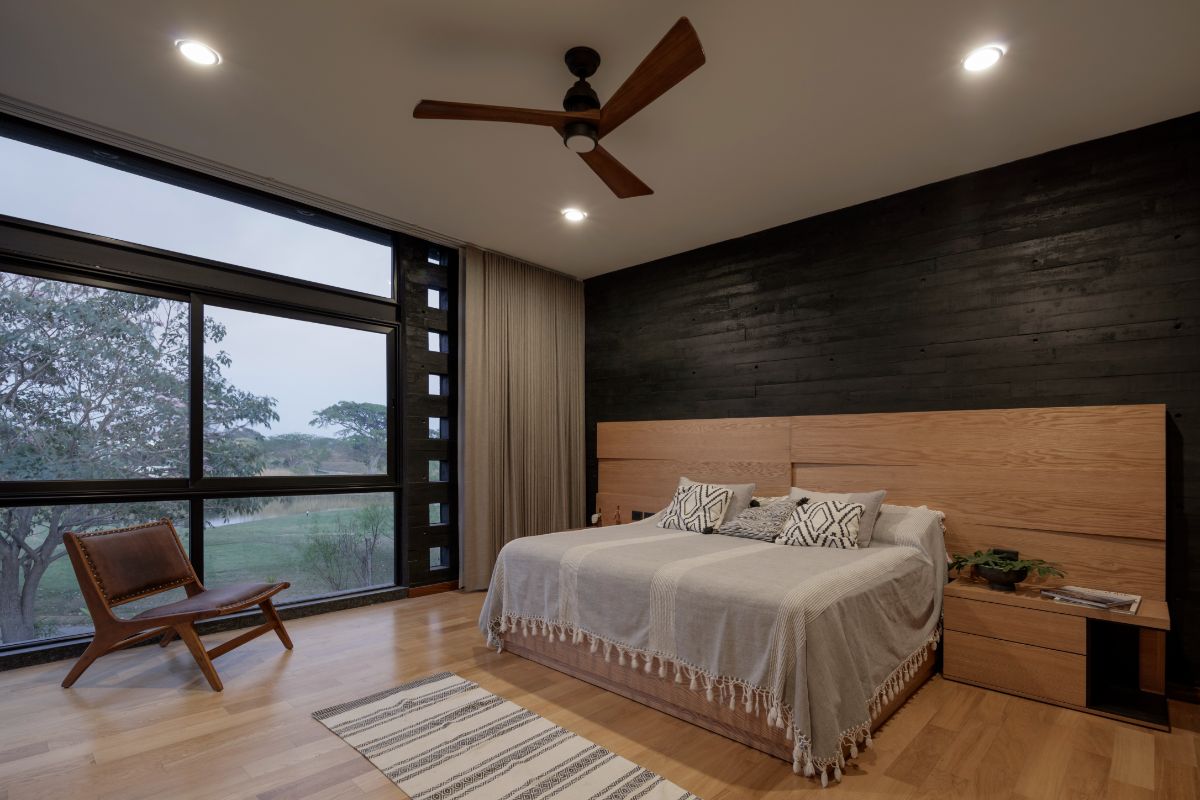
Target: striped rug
(444, 737)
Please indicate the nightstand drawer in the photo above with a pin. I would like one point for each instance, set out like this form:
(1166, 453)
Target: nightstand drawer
(1025, 625)
(1013, 667)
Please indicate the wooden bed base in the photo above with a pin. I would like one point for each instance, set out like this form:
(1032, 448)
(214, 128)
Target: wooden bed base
(678, 700)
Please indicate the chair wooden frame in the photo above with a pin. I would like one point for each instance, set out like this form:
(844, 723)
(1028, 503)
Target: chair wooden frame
(114, 633)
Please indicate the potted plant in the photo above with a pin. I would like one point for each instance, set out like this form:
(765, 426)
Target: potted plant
(1002, 569)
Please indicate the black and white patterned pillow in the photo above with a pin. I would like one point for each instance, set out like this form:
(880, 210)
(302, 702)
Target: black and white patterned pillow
(698, 507)
(828, 523)
(763, 522)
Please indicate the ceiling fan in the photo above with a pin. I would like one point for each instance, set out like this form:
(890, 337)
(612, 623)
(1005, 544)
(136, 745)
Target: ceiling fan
(583, 122)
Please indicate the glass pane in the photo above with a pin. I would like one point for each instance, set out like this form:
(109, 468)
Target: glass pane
(439, 513)
(437, 298)
(439, 428)
(93, 382)
(58, 189)
(286, 397)
(439, 384)
(39, 596)
(321, 544)
(439, 557)
(439, 342)
(439, 471)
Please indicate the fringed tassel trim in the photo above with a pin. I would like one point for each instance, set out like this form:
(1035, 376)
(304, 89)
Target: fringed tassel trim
(852, 741)
(729, 691)
(901, 675)
(716, 688)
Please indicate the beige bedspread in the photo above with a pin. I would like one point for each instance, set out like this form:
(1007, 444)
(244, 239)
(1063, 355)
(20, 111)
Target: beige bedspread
(814, 638)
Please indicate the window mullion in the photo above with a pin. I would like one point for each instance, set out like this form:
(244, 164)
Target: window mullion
(195, 391)
(196, 538)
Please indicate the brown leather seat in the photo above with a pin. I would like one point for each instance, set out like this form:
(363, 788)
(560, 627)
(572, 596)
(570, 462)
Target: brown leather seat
(214, 602)
(120, 566)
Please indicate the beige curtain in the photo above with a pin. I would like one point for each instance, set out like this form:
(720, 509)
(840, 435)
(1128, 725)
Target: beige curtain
(521, 448)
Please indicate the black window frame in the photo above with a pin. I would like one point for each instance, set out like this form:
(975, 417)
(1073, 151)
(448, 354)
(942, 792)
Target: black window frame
(46, 251)
(215, 482)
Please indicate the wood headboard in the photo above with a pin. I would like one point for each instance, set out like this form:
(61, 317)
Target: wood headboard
(1083, 487)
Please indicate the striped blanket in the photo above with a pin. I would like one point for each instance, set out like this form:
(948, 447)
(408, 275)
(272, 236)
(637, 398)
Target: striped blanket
(816, 639)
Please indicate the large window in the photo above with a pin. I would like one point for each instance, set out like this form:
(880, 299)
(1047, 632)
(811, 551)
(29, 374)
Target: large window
(275, 422)
(290, 397)
(123, 205)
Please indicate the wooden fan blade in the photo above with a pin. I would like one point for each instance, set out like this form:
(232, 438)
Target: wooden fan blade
(438, 109)
(622, 182)
(678, 55)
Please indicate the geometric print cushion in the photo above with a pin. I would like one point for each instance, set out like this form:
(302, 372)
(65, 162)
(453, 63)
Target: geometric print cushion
(697, 507)
(871, 501)
(762, 522)
(829, 523)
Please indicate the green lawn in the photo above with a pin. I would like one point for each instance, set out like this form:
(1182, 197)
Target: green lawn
(269, 548)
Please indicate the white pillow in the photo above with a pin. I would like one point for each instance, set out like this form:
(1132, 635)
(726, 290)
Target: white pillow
(907, 525)
(697, 507)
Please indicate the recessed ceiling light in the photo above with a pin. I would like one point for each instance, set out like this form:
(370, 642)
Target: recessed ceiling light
(982, 58)
(198, 52)
(574, 215)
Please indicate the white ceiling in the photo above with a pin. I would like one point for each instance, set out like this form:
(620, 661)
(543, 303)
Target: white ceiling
(803, 107)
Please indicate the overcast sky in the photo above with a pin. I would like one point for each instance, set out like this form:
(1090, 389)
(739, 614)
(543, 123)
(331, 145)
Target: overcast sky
(57, 189)
(305, 366)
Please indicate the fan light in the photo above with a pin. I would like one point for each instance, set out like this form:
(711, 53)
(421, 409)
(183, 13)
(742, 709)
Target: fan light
(982, 58)
(580, 144)
(198, 52)
(574, 215)
(579, 137)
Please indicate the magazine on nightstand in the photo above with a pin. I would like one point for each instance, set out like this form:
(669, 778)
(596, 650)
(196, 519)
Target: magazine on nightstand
(1095, 598)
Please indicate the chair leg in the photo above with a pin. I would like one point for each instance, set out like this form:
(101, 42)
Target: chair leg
(187, 632)
(167, 637)
(97, 648)
(268, 610)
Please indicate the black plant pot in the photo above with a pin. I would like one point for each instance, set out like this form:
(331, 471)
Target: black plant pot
(1002, 580)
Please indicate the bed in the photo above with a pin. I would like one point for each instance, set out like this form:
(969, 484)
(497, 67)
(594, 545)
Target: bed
(798, 651)
(671, 619)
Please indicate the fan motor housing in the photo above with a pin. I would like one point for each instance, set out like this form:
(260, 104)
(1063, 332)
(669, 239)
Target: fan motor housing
(582, 62)
(581, 97)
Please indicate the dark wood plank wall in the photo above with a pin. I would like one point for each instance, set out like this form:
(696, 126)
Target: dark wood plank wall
(1070, 278)
(419, 274)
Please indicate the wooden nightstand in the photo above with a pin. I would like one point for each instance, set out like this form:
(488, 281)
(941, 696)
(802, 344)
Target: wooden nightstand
(1096, 661)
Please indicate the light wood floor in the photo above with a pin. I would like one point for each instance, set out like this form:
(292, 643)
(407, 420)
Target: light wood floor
(143, 723)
